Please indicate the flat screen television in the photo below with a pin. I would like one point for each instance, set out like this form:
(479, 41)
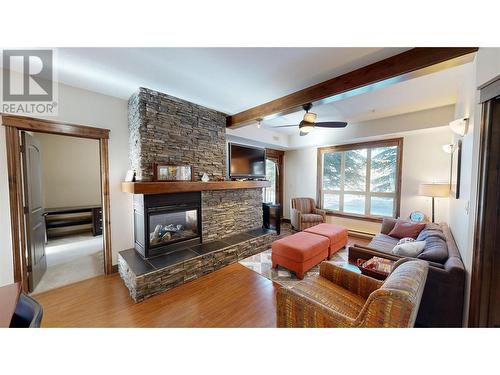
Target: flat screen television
(246, 161)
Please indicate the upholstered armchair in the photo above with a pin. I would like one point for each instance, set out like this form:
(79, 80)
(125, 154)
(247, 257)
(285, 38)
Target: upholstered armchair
(305, 214)
(342, 298)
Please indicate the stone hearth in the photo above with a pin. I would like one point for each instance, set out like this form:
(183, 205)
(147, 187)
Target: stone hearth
(146, 277)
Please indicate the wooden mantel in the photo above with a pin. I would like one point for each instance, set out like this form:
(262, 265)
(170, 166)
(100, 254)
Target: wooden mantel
(179, 187)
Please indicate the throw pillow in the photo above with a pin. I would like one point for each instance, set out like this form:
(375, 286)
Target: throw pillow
(409, 249)
(405, 228)
(405, 240)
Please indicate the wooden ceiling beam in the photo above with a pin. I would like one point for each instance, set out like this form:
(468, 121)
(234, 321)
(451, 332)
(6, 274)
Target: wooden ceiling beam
(412, 63)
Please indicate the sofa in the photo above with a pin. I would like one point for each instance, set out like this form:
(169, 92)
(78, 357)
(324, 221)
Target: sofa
(443, 298)
(305, 214)
(339, 297)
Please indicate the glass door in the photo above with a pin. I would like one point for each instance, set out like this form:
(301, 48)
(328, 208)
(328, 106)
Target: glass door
(269, 193)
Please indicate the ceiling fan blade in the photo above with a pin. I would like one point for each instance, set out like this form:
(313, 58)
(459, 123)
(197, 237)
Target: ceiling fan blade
(331, 124)
(285, 126)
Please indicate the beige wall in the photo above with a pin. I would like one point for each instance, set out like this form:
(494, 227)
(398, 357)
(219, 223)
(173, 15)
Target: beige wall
(70, 171)
(423, 161)
(91, 109)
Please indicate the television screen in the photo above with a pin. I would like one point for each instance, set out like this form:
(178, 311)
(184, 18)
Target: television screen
(246, 161)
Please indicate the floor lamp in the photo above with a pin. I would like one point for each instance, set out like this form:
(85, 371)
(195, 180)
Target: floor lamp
(434, 191)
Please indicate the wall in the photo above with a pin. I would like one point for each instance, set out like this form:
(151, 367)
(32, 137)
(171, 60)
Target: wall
(423, 161)
(486, 67)
(70, 171)
(92, 109)
(169, 130)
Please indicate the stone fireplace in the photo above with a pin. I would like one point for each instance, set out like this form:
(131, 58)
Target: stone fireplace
(198, 227)
(164, 223)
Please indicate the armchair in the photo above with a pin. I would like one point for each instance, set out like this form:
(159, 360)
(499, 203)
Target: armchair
(341, 298)
(305, 214)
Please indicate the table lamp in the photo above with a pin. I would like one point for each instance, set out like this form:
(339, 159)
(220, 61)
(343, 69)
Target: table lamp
(434, 191)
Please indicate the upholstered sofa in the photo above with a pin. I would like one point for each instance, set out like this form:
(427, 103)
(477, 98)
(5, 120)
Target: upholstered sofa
(339, 297)
(443, 299)
(305, 214)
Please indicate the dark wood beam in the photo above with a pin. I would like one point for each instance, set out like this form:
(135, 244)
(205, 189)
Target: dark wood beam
(406, 65)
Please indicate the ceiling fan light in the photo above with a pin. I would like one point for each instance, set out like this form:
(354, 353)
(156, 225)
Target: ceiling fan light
(306, 126)
(310, 117)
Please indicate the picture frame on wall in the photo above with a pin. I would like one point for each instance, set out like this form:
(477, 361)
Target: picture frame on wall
(166, 172)
(456, 159)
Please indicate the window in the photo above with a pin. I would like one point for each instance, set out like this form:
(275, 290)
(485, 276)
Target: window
(361, 180)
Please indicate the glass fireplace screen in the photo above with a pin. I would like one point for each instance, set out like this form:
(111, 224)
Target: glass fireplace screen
(166, 227)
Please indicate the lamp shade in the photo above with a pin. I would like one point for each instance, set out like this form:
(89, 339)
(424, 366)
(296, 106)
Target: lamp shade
(434, 190)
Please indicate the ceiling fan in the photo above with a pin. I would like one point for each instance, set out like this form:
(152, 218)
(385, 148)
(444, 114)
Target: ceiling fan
(309, 122)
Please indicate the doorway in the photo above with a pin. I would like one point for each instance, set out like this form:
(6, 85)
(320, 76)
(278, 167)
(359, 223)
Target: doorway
(65, 174)
(274, 174)
(33, 226)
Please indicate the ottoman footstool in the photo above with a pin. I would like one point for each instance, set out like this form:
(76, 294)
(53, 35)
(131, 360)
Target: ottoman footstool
(300, 252)
(336, 234)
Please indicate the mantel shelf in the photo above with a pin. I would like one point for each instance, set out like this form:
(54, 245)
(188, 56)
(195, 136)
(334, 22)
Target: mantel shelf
(185, 186)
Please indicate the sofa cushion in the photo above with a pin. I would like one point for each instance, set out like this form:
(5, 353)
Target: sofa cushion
(409, 249)
(387, 225)
(426, 233)
(383, 242)
(405, 228)
(405, 240)
(435, 250)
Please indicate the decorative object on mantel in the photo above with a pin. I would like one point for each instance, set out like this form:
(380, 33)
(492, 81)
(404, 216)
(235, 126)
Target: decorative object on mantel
(163, 172)
(205, 177)
(434, 191)
(130, 176)
(460, 126)
(417, 216)
(456, 161)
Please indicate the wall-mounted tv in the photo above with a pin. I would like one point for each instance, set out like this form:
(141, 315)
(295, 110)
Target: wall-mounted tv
(246, 161)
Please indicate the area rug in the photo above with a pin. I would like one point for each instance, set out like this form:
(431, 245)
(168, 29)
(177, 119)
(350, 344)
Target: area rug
(262, 264)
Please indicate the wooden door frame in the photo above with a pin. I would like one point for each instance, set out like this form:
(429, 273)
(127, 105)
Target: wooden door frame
(487, 212)
(13, 126)
(278, 156)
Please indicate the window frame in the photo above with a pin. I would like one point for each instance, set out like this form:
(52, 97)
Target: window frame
(398, 142)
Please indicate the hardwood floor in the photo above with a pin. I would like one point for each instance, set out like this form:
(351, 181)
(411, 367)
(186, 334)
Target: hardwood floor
(233, 296)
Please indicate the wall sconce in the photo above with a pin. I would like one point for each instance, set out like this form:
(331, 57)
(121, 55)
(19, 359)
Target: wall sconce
(460, 126)
(448, 148)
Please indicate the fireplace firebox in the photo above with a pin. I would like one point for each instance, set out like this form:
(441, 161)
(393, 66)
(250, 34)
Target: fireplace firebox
(166, 222)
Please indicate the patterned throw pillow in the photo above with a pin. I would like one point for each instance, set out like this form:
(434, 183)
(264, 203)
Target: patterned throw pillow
(405, 240)
(409, 249)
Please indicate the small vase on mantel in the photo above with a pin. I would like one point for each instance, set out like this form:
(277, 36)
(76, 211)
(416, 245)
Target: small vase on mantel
(205, 177)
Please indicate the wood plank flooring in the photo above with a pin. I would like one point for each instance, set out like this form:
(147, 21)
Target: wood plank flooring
(233, 296)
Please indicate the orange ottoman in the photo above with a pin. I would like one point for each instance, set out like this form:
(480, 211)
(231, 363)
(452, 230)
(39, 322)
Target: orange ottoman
(336, 234)
(300, 252)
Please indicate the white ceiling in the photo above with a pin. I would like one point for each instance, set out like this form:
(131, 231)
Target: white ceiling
(227, 79)
(429, 91)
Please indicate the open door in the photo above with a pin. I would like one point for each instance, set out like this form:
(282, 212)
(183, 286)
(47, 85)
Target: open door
(33, 209)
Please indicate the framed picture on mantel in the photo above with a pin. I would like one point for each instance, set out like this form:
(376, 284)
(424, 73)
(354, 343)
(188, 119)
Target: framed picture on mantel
(165, 172)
